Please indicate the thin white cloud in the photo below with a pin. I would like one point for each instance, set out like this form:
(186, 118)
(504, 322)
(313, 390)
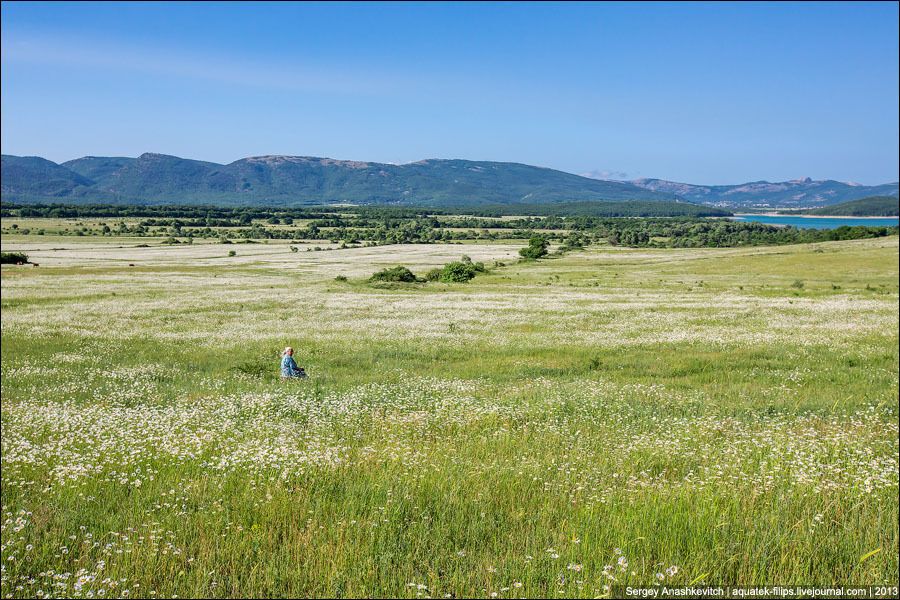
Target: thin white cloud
(171, 62)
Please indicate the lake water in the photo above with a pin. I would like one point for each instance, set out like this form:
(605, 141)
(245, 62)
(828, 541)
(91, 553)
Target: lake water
(819, 222)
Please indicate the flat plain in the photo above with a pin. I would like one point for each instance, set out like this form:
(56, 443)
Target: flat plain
(556, 428)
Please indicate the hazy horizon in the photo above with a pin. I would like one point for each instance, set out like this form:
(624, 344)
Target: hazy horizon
(708, 94)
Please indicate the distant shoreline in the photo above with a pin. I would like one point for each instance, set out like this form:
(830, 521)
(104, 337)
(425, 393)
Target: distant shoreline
(772, 214)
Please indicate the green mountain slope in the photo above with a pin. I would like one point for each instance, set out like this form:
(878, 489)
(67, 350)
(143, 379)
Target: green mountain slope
(875, 206)
(97, 168)
(33, 176)
(293, 180)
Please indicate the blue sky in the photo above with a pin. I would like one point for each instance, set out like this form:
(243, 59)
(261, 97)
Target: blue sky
(703, 93)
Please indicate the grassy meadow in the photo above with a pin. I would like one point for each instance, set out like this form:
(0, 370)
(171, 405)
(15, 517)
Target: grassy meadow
(558, 428)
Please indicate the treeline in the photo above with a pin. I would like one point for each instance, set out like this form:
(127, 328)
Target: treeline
(634, 208)
(130, 211)
(363, 225)
(695, 233)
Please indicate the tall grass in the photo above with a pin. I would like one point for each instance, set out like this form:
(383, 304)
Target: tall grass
(549, 429)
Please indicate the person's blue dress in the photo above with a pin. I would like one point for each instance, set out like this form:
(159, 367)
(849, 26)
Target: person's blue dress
(289, 368)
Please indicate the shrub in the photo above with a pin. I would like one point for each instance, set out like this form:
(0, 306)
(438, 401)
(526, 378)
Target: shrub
(12, 258)
(575, 241)
(232, 253)
(457, 272)
(537, 248)
(398, 274)
(479, 266)
(341, 278)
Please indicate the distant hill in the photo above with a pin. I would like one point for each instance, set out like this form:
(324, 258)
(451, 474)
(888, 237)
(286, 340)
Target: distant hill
(33, 176)
(302, 180)
(876, 206)
(798, 193)
(298, 180)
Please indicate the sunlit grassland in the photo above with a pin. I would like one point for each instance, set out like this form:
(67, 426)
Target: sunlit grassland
(608, 417)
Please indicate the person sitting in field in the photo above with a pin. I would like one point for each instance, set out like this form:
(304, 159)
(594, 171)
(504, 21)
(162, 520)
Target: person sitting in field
(289, 368)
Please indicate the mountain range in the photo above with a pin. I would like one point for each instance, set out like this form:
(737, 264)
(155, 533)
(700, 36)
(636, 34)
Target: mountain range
(797, 193)
(159, 178)
(298, 180)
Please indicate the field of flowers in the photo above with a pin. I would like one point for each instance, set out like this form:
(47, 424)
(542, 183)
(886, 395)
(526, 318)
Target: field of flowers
(554, 429)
